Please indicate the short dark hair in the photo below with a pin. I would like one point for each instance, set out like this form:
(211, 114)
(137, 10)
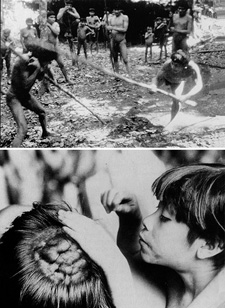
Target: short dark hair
(180, 57)
(195, 195)
(42, 50)
(42, 266)
(29, 20)
(50, 13)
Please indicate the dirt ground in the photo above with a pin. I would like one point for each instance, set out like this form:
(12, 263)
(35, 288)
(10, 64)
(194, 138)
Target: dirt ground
(132, 116)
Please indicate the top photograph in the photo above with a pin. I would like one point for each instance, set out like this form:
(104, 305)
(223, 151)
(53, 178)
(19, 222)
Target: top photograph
(112, 74)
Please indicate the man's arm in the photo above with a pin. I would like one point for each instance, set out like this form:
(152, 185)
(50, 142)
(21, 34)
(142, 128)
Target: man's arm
(122, 29)
(126, 207)
(30, 80)
(198, 82)
(74, 13)
(22, 38)
(54, 28)
(61, 12)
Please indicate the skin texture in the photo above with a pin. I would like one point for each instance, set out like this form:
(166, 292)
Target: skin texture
(118, 25)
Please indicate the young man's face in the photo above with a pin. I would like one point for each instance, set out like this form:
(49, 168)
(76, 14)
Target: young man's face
(164, 242)
(29, 23)
(182, 11)
(6, 34)
(51, 19)
(117, 12)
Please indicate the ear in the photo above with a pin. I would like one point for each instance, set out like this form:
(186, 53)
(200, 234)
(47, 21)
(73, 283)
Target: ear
(206, 250)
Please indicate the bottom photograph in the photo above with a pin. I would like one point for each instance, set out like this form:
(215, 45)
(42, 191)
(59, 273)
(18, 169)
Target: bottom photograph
(112, 228)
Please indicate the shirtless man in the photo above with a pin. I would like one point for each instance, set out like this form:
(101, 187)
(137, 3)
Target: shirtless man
(27, 34)
(6, 53)
(118, 25)
(175, 72)
(182, 22)
(82, 32)
(26, 71)
(94, 23)
(53, 31)
(68, 18)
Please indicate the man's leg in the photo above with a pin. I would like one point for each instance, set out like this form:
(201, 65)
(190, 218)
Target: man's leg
(36, 107)
(18, 115)
(85, 48)
(62, 67)
(8, 66)
(124, 54)
(176, 105)
(146, 53)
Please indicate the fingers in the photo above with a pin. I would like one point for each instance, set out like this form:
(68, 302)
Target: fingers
(111, 200)
(118, 201)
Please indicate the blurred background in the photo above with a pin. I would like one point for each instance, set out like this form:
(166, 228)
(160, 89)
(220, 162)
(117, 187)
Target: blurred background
(79, 177)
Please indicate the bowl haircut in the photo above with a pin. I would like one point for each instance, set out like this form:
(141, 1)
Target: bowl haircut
(195, 195)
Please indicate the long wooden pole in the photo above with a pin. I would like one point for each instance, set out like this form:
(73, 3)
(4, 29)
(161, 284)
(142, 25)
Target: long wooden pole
(57, 85)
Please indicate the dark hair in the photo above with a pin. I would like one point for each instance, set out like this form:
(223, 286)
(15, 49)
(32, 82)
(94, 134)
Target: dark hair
(182, 3)
(29, 20)
(195, 195)
(44, 51)
(50, 13)
(42, 266)
(180, 57)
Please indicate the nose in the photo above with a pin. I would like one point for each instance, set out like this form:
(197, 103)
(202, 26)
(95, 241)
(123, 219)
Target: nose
(148, 222)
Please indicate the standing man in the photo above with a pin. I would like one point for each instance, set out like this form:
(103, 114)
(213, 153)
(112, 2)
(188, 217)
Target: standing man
(118, 25)
(53, 31)
(68, 18)
(182, 22)
(28, 34)
(94, 23)
(6, 53)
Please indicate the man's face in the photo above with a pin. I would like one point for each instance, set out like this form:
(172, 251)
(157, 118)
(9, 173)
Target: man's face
(91, 13)
(182, 11)
(163, 241)
(29, 23)
(117, 12)
(51, 19)
(6, 34)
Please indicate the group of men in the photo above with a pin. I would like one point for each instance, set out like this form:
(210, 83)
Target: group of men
(37, 55)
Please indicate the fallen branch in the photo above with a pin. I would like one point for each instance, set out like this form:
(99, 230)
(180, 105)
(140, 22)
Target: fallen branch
(71, 95)
(210, 50)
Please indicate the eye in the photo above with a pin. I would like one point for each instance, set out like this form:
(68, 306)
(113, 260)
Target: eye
(164, 218)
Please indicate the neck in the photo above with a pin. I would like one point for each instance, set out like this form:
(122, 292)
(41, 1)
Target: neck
(196, 279)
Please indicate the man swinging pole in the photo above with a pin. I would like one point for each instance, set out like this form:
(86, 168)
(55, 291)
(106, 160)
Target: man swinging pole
(27, 69)
(175, 72)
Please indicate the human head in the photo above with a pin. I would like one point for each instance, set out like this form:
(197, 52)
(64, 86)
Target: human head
(117, 10)
(182, 7)
(29, 22)
(180, 58)
(91, 11)
(50, 17)
(149, 29)
(68, 2)
(42, 266)
(41, 50)
(195, 195)
(6, 32)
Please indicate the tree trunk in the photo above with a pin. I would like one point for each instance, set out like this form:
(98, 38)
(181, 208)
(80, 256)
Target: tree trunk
(43, 18)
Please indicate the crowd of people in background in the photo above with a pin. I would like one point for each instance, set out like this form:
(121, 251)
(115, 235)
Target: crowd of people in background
(174, 72)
